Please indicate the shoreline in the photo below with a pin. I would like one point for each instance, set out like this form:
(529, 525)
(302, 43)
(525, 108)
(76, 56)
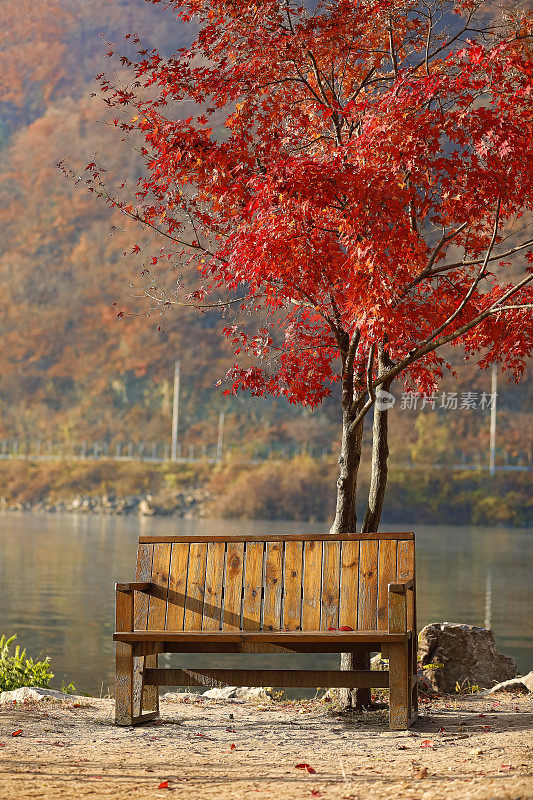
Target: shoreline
(300, 489)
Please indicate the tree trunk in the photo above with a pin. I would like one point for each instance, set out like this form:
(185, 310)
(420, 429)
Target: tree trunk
(379, 468)
(349, 460)
(346, 513)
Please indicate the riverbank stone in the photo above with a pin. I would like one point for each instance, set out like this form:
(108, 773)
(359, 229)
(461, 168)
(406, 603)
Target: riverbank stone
(463, 657)
(521, 685)
(35, 694)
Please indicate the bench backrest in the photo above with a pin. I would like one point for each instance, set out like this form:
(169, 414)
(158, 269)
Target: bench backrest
(271, 582)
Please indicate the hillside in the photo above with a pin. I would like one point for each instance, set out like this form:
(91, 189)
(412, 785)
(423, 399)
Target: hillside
(70, 371)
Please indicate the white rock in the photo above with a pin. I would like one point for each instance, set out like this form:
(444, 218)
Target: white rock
(145, 509)
(521, 684)
(221, 693)
(177, 697)
(254, 693)
(35, 694)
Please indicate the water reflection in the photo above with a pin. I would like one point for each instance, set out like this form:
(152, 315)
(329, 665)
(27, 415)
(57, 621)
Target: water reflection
(57, 575)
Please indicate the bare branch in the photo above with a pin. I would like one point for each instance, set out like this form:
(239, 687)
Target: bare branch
(369, 370)
(475, 282)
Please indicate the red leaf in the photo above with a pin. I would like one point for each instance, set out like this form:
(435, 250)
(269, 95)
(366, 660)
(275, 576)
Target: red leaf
(308, 767)
(163, 785)
(233, 746)
(506, 766)
(427, 743)
(17, 733)
(345, 628)
(316, 793)
(231, 730)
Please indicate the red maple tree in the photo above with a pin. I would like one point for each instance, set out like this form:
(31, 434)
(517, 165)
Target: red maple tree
(353, 176)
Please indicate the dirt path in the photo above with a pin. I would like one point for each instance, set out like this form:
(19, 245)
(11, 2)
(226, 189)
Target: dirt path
(461, 748)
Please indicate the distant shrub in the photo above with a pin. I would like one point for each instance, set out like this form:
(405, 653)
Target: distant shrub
(16, 670)
(299, 489)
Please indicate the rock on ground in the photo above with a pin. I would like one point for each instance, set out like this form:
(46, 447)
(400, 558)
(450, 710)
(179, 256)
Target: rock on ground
(522, 685)
(468, 656)
(35, 694)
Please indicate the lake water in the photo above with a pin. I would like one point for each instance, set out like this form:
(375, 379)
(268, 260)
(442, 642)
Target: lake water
(57, 575)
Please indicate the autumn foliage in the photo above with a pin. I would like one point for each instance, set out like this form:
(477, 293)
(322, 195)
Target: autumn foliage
(352, 175)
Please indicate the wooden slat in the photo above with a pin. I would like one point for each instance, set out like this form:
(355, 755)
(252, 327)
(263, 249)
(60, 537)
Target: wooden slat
(177, 586)
(406, 570)
(210, 646)
(233, 581)
(253, 583)
(331, 554)
(273, 585)
(349, 585)
(143, 697)
(158, 598)
(214, 578)
(143, 572)
(265, 677)
(386, 575)
(312, 585)
(283, 638)
(368, 586)
(406, 560)
(292, 587)
(194, 605)
(280, 537)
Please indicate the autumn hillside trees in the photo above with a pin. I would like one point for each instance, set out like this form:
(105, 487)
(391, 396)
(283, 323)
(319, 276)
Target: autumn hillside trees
(361, 199)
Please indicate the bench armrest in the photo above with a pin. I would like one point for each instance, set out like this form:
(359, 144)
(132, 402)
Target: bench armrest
(397, 594)
(137, 586)
(402, 587)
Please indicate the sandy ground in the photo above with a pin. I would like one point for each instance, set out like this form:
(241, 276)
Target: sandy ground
(212, 750)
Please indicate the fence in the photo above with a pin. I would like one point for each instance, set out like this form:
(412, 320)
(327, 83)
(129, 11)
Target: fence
(159, 452)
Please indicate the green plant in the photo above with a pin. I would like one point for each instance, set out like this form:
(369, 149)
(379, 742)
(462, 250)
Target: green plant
(16, 670)
(466, 687)
(70, 689)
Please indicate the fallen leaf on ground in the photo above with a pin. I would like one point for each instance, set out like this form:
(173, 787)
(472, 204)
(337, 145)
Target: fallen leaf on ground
(422, 773)
(427, 743)
(163, 785)
(316, 793)
(233, 746)
(231, 730)
(506, 766)
(308, 767)
(17, 733)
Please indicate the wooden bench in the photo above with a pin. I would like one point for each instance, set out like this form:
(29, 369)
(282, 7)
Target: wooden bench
(284, 594)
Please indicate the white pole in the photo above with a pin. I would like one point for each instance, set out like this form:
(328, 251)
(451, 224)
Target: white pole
(494, 391)
(175, 410)
(220, 435)
(488, 599)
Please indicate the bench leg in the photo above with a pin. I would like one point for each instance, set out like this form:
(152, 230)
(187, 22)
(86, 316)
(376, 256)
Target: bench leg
(400, 686)
(149, 694)
(124, 714)
(363, 697)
